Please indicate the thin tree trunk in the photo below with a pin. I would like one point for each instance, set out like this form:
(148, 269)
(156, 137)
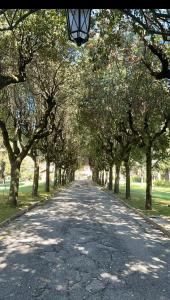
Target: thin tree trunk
(97, 175)
(117, 178)
(67, 178)
(72, 175)
(166, 174)
(93, 175)
(63, 177)
(110, 185)
(103, 178)
(36, 177)
(59, 176)
(55, 176)
(148, 203)
(100, 181)
(47, 183)
(106, 178)
(127, 168)
(14, 183)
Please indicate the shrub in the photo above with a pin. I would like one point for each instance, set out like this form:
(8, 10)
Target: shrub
(163, 183)
(136, 179)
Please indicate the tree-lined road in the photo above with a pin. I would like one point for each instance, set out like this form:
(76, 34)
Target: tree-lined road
(83, 245)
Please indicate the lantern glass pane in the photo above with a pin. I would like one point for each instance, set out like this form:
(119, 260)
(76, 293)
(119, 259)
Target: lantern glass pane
(73, 16)
(85, 18)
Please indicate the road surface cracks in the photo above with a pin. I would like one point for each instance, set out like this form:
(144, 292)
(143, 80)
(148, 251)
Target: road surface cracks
(83, 245)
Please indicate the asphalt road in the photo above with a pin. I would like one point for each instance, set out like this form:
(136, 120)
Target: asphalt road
(83, 245)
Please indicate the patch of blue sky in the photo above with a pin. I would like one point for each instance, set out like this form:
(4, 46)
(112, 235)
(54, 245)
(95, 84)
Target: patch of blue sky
(31, 104)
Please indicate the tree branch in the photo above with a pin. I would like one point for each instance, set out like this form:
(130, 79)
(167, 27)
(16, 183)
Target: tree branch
(13, 25)
(6, 140)
(159, 133)
(157, 51)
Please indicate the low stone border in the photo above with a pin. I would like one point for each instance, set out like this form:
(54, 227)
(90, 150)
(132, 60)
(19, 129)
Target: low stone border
(147, 219)
(30, 207)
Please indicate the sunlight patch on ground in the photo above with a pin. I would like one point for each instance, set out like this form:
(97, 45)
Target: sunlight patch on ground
(81, 249)
(143, 267)
(111, 277)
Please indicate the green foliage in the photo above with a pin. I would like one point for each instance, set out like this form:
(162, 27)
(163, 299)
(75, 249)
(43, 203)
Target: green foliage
(136, 179)
(163, 183)
(104, 104)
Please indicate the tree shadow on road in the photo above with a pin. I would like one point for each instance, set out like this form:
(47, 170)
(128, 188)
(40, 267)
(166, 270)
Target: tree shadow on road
(83, 244)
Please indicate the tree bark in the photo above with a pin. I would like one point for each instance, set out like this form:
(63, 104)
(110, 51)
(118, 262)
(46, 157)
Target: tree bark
(14, 183)
(148, 203)
(72, 175)
(110, 185)
(117, 178)
(67, 176)
(47, 184)
(56, 176)
(97, 175)
(63, 178)
(102, 178)
(36, 177)
(59, 176)
(106, 178)
(166, 174)
(127, 168)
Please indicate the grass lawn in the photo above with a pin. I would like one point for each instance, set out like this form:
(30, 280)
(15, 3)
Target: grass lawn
(24, 199)
(160, 199)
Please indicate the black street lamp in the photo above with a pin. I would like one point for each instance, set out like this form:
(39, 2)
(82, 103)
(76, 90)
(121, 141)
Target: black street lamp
(78, 22)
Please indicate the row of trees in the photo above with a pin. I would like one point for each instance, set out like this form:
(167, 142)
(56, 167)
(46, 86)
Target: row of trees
(125, 111)
(111, 85)
(35, 106)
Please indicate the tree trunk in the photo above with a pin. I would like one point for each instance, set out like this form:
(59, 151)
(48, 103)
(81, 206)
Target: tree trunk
(94, 175)
(106, 178)
(97, 175)
(148, 203)
(63, 178)
(14, 183)
(36, 177)
(47, 183)
(99, 180)
(56, 176)
(117, 178)
(72, 175)
(102, 177)
(59, 176)
(67, 176)
(166, 174)
(110, 185)
(127, 168)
